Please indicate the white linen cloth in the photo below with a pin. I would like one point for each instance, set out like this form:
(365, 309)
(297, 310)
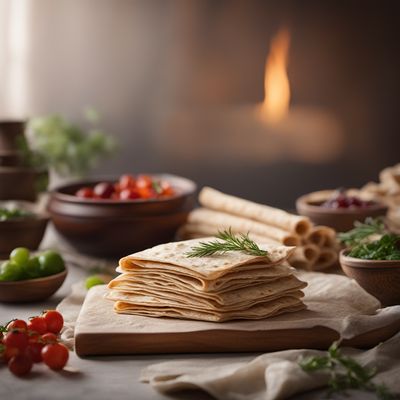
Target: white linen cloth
(273, 375)
(270, 376)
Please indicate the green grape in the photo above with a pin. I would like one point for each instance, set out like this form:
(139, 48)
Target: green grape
(50, 263)
(93, 280)
(20, 255)
(32, 268)
(10, 271)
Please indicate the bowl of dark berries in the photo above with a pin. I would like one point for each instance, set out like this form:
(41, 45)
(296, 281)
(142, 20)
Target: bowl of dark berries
(372, 258)
(114, 217)
(338, 208)
(27, 277)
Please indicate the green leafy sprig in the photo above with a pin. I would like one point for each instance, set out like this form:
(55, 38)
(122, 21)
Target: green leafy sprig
(386, 248)
(7, 214)
(363, 230)
(346, 373)
(69, 149)
(228, 242)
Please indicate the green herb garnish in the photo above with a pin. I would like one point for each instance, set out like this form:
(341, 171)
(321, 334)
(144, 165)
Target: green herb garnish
(363, 230)
(157, 187)
(345, 373)
(228, 242)
(15, 213)
(386, 248)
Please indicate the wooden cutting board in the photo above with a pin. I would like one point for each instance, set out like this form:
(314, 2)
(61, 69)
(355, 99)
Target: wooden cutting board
(100, 331)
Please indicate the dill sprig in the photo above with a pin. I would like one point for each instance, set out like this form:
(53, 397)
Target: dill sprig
(228, 242)
(346, 373)
(362, 230)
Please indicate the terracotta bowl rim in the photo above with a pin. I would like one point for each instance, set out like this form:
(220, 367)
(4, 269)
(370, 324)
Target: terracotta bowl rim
(69, 198)
(34, 280)
(303, 202)
(353, 262)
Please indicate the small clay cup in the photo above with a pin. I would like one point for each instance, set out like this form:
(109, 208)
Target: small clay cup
(340, 219)
(381, 278)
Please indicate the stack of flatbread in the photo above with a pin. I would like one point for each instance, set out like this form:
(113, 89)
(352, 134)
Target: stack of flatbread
(164, 282)
(316, 246)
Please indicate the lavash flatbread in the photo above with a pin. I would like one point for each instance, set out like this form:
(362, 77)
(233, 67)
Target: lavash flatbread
(259, 311)
(174, 256)
(219, 201)
(221, 220)
(155, 271)
(164, 281)
(245, 295)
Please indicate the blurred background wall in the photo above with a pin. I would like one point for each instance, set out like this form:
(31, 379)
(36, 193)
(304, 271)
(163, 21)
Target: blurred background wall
(145, 63)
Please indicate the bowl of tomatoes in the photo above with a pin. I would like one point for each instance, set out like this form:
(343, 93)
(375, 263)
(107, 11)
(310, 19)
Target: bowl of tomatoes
(114, 217)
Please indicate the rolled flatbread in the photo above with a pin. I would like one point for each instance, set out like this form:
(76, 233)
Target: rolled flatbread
(221, 221)
(295, 224)
(197, 230)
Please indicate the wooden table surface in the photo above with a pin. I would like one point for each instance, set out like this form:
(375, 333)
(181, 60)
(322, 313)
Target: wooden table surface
(98, 377)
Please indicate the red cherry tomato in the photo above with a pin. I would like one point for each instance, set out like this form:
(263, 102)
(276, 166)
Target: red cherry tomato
(144, 181)
(16, 339)
(126, 182)
(9, 353)
(54, 321)
(34, 351)
(34, 337)
(147, 193)
(38, 325)
(55, 356)
(17, 324)
(129, 194)
(104, 190)
(49, 338)
(20, 365)
(85, 193)
(166, 189)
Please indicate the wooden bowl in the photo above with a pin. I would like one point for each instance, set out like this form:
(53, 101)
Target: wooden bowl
(379, 278)
(113, 228)
(20, 183)
(22, 232)
(11, 132)
(31, 289)
(340, 219)
(10, 159)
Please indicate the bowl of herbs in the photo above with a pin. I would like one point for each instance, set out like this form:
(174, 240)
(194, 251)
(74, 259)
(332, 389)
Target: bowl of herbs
(372, 258)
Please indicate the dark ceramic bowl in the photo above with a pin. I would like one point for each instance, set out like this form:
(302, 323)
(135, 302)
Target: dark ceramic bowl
(20, 183)
(10, 134)
(114, 228)
(340, 219)
(379, 278)
(30, 290)
(22, 232)
(10, 159)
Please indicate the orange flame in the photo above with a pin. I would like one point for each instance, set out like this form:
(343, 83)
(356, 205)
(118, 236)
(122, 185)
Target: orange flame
(276, 82)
